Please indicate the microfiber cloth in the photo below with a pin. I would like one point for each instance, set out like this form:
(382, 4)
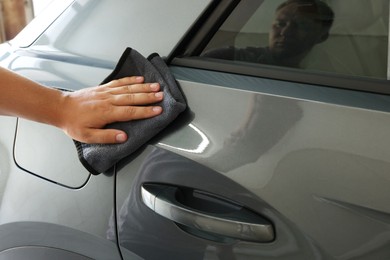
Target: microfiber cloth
(98, 158)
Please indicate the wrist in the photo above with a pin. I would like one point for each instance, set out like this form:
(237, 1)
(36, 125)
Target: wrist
(59, 115)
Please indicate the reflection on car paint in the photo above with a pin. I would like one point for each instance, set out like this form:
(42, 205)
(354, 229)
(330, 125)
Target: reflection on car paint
(149, 235)
(201, 147)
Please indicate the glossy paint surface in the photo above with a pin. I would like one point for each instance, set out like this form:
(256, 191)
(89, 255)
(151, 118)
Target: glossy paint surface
(314, 164)
(313, 161)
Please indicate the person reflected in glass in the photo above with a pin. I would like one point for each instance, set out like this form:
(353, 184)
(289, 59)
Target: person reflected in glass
(297, 27)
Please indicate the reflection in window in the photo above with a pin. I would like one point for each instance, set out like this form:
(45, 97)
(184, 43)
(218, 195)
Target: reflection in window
(325, 35)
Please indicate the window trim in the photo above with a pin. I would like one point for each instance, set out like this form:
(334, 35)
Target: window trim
(388, 49)
(325, 79)
(204, 29)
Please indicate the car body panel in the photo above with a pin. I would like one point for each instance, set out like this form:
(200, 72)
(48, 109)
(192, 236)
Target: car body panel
(309, 157)
(315, 154)
(26, 198)
(43, 184)
(49, 146)
(139, 24)
(39, 240)
(300, 171)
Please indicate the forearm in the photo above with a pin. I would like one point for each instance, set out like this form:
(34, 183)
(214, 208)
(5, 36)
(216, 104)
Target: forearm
(23, 97)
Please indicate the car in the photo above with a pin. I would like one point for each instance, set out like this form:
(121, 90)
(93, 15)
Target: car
(283, 151)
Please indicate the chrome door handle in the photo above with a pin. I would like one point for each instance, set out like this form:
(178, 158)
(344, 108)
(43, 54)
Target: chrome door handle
(240, 223)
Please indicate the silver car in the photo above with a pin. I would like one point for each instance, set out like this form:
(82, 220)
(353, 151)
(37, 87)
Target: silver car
(283, 152)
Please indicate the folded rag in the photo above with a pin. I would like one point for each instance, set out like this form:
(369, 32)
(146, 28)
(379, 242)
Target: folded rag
(98, 158)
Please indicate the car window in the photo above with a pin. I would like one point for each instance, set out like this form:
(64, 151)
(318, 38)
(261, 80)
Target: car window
(349, 37)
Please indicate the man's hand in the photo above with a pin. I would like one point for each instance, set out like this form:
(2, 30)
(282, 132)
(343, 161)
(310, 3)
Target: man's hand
(85, 112)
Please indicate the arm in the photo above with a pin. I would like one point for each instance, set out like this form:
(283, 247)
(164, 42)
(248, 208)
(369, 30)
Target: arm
(80, 114)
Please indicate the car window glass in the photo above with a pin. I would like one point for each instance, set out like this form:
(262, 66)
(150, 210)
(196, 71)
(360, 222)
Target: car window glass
(347, 37)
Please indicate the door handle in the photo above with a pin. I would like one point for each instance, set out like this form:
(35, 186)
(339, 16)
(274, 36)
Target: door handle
(207, 213)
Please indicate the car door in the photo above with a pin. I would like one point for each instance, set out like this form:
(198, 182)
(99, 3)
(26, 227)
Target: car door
(269, 161)
(53, 207)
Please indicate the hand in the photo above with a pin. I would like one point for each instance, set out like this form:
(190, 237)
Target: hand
(85, 112)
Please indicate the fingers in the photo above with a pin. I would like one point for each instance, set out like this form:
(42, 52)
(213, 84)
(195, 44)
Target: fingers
(124, 81)
(137, 99)
(127, 91)
(127, 113)
(111, 136)
(135, 88)
(104, 136)
(130, 85)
